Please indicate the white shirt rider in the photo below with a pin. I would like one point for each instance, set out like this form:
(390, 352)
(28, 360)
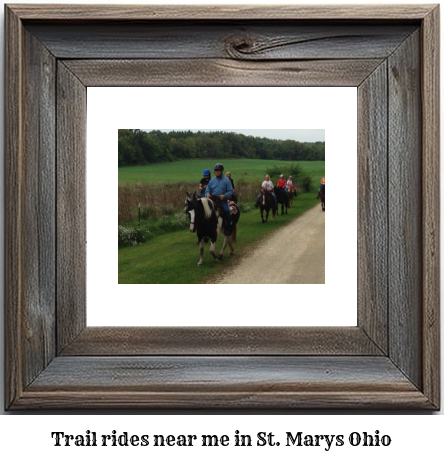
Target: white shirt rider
(267, 185)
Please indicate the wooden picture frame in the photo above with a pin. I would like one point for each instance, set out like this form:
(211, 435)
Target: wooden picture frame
(390, 360)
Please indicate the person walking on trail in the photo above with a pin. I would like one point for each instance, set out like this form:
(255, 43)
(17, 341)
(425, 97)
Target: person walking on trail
(267, 186)
(220, 189)
(204, 182)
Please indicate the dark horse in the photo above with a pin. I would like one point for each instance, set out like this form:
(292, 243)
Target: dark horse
(282, 199)
(321, 194)
(207, 222)
(265, 204)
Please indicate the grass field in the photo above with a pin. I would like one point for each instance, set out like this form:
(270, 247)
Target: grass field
(191, 170)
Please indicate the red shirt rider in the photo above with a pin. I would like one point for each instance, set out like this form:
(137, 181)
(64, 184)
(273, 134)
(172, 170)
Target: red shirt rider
(282, 182)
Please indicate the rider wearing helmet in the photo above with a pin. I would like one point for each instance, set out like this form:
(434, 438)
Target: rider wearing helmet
(221, 189)
(204, 182)
(281, 181)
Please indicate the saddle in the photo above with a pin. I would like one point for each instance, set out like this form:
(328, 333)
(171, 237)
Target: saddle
(218, 206)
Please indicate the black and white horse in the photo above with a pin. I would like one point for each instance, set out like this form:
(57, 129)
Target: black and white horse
(206, 221)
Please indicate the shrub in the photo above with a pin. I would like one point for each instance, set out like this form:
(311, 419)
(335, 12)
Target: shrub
(131, 236)
(306, 183)
(244, 207)
(292, 169)
(172, 223)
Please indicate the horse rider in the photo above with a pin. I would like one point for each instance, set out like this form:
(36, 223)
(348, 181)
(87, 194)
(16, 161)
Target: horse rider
(221, 190)
(267, 186)
(290, 185)
(204, 182)
(282, 183)
(322, 185)
(234, 196)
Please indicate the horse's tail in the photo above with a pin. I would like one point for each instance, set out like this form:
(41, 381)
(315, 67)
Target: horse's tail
(233, 233)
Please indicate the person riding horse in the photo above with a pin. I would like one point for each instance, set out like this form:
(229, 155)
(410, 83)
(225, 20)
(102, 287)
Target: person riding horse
(204, 182)
(267, 186)
(220, 189)
(234, 196)
(321, 193)
(290, 185)
(282, 183)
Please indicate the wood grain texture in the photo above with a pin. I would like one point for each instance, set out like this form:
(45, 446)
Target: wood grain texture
(430, 94)
(221, 72)
(373, 207)
(128, 341)
(13, 209)
(71, 206)
(220, 12)
(405, 209)
(104, 367)
(234, 382)
(38, 222)
(232, 40)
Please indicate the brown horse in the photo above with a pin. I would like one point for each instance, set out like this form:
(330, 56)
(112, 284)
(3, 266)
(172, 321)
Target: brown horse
(291, 194)
(265, 204)
(321, 195)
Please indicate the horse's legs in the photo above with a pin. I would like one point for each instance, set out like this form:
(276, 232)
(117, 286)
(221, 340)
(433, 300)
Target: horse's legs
(224, 244)
(213, 242)
(201, 251)
(213, 251)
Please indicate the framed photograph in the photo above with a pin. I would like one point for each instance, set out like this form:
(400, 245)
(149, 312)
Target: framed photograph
(390, 359)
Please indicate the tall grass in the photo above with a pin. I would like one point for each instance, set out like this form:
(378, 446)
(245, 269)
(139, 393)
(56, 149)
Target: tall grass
(161, 189)
(158, 200)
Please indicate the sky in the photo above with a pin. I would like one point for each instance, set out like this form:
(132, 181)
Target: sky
(297, 135)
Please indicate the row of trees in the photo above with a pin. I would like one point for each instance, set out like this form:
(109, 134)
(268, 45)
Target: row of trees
(139, 147)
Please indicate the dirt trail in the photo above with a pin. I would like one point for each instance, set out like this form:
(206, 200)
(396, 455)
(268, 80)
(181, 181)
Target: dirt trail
(294, 254)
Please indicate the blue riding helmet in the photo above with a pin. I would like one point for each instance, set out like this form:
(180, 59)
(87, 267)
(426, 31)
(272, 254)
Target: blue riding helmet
(206, 172)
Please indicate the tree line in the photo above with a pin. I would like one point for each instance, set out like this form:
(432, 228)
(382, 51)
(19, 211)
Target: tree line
(140, 147)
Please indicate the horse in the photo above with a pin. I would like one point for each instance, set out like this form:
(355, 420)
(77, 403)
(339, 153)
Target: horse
(265, 204)
(291, 194)
(321, 195)
(282, 199)
(207, 222)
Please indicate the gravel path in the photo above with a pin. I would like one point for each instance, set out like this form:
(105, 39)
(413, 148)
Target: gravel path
(294, 254)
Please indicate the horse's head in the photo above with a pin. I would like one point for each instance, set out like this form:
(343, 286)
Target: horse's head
(191, 203)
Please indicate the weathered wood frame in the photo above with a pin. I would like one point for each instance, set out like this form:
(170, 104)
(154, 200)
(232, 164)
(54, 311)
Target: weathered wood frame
(390, 360)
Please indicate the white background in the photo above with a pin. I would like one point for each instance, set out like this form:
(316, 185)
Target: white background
(329, 304)
(414, 433)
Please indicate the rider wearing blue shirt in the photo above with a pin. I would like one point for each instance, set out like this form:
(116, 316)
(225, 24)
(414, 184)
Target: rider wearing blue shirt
(220, 187)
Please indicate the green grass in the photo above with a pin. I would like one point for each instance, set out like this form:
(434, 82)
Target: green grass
(191, 170)
(172, 258)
